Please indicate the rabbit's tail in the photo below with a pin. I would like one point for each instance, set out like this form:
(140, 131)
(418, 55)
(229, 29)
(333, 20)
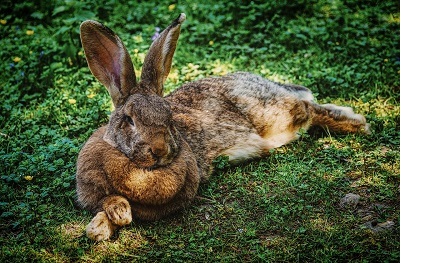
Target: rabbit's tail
(339, 119)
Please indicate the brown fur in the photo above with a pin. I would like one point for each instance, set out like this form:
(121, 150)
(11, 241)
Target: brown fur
(150, 158)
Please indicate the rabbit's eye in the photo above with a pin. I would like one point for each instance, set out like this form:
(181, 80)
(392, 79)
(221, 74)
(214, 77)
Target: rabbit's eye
(129, 120)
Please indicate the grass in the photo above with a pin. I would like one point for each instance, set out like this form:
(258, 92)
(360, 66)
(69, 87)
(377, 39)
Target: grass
(283, 208)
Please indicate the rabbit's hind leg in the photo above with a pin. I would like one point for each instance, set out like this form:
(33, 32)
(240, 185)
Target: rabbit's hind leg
(339, 119)
(247, 147)
(283, 123)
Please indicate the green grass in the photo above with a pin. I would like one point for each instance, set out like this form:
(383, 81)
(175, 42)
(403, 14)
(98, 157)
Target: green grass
(284, 208)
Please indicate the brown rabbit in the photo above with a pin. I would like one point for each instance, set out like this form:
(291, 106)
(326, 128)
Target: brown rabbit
(149, 160)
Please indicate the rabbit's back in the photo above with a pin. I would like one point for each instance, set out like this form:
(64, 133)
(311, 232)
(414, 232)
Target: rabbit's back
(252, 85)
(240, 115)
(236, 86)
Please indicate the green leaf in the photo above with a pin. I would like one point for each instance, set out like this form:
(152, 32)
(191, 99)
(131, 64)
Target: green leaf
(37, 15)
(62, 30)
(84, 15)
(58, 10)
(6, 214)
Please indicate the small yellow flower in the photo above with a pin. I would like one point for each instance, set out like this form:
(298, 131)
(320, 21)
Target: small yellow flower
(142, 56)
(3, 22)
(91, 95)
(135, 51)
(173, 76)
(80, 53)
(138, 39)
(171, 7)
(138, 72)
(211, 43)
(72, 101)
(28, 177)
(30, 32)
(16, 59)
(386, 60)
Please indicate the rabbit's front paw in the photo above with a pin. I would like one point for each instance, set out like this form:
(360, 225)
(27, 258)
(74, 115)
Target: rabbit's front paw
(118, 210)
(100, 227)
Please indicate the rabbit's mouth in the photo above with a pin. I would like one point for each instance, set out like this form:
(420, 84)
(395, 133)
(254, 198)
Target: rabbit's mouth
(156, 154)
(172, 149)
(164, 161)
(150, 160)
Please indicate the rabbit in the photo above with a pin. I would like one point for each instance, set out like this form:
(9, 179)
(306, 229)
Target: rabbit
(149, 160)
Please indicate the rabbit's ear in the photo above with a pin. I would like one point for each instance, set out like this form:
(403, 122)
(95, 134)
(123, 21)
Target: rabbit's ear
(108, 60)
(157, 62)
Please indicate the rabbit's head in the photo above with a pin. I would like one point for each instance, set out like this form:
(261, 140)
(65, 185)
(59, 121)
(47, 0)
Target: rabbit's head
(141, 125)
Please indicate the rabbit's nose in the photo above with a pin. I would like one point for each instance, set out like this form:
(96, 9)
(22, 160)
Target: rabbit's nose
(159, 150)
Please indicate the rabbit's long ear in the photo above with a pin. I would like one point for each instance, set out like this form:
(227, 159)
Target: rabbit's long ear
(157, 62)
(108, 60)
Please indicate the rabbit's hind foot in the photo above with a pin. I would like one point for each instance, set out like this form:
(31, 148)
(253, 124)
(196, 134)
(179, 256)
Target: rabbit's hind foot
(340, 119)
